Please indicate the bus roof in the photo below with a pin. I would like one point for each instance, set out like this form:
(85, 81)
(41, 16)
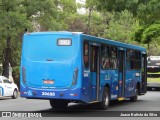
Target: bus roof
(114, 43)
(54, 32)
(93, 38)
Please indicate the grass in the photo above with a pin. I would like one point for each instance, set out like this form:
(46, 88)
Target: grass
(153, 72)
(154, 80)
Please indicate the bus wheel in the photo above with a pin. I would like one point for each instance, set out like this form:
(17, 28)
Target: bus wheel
(134, 98)
(104, 104)
(59, 104)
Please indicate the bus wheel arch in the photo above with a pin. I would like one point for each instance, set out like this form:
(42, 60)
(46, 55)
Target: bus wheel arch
(137, 91)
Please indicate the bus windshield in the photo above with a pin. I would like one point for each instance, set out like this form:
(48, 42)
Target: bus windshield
(46, 48)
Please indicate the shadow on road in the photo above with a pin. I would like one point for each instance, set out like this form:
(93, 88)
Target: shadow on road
(86, 109)
(5, 98)
(94, 107)
(153, 89)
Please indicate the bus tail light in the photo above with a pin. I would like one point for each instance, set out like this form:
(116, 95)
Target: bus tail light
(24, 75)
(75, 77)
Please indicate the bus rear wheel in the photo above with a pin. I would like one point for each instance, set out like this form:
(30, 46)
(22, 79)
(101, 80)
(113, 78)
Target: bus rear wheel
(104, 104)
(59, 104)
(134, 98)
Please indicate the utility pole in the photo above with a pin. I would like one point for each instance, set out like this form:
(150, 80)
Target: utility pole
(89, 20)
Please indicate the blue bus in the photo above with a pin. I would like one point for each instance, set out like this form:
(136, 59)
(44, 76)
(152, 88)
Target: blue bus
(65, 67)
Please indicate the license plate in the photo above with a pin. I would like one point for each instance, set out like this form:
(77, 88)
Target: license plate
(48, 82)
(48, 93)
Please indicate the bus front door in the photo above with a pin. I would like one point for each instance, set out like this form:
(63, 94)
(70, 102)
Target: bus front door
(121, 82)
(94, 73)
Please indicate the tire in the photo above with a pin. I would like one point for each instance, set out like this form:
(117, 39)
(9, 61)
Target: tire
(15, 94)
(134, 98)
(59, 104)
(149, 88)
(104, 104)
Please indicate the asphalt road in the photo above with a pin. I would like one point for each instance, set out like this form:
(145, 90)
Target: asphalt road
(148, 102)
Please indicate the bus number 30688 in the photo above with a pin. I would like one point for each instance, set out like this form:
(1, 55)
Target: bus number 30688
(48, 94)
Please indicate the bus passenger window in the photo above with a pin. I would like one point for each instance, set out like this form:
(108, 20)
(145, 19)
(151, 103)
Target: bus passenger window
(105, 63)
(113, 52)
(133, 60)
(105, 57)
(113, 63)
(138, 60)
(86, 55)
(137, 55)
(132, 55)
(113, 58)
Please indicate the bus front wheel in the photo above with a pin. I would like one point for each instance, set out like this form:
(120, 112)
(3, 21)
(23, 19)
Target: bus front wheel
(59, 104)
(104, 104)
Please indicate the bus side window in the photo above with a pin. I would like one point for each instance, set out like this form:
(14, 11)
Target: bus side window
(113, 58)
(105, 57)
(137, 60)
(133, 60)
(86, 55)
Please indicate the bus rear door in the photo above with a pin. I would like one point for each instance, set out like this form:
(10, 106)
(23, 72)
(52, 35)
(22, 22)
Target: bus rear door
(94, 72)
(121, 82)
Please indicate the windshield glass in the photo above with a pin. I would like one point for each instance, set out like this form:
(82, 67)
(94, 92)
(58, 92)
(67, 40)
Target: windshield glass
(44, 47)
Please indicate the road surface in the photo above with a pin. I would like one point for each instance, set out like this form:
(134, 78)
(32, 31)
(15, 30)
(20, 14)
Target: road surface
(148, 102)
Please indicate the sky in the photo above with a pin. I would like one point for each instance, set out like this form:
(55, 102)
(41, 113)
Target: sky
(81, 1)
(82, 10)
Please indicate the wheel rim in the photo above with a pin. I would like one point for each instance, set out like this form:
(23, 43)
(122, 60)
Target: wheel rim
(106, 100)
(15, 93)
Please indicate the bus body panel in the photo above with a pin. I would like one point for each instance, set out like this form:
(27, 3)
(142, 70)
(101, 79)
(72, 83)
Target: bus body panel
(110, 77)
(131, 81)
(67, 94)
(60, 69)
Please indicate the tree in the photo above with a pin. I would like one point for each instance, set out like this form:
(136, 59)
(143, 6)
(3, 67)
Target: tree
(76, 23)
(148, 34)
(12, 23)
(148, 12)
(122, 27)
(16, 15)
(145, 11)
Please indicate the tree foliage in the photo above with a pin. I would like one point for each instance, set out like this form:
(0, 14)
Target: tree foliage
(128, 21)
(146, 12)
(122, 27)
(12, 22)
(148, 33)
